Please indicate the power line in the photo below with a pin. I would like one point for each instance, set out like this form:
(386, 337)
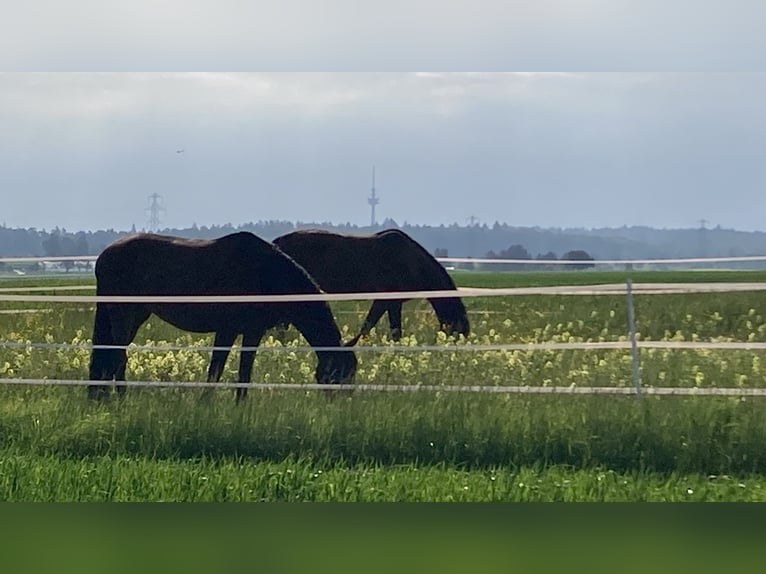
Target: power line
(154, 210)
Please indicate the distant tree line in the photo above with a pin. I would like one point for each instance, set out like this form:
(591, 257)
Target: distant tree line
(457, 240)
(58, 244)
(517, 252)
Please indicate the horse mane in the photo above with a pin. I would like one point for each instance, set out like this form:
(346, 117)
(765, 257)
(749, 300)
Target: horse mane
(266, 248)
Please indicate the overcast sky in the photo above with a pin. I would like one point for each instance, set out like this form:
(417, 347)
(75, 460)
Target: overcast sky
(84, 150)
(390, 35)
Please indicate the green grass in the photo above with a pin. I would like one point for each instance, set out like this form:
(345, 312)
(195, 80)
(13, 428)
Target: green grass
(168, 445)
(125, 479)
(52, 279)
(595, 277)
(493, 278)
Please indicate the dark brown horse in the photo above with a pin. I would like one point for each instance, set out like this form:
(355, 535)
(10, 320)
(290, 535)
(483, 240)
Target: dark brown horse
(237, 264)
(389, 260)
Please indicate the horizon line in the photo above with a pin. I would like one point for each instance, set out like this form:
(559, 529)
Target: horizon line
(388, 222)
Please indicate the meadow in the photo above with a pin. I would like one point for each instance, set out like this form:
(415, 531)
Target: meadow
(170, 444)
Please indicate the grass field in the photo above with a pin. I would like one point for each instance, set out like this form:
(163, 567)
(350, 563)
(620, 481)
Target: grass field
(293, 445)
(595, 276)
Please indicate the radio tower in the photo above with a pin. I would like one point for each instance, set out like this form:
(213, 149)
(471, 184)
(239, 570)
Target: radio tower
(703, 237)
(154, 210)
(373, 200)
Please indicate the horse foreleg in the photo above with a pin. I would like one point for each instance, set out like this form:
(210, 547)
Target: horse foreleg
(378, 308)
(102, 361)
(125, 321)
(224, 340)
(120, 374)
(246, 359)
(115, 325)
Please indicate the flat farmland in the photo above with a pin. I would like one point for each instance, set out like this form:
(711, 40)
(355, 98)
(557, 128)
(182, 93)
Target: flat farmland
(169, 444)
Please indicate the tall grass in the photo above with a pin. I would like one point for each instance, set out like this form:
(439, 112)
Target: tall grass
(170, 444)
(52, 478)
(687, 434)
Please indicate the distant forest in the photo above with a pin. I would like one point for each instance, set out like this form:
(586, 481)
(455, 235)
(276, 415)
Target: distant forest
(498, 240)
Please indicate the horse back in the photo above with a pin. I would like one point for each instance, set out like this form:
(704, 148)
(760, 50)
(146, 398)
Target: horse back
(389, 260)
(240, 263)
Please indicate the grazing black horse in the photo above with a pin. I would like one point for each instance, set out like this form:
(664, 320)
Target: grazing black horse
(389, 260)
(237, 264)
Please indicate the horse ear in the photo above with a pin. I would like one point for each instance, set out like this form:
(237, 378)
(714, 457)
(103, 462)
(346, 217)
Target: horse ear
(353, 341)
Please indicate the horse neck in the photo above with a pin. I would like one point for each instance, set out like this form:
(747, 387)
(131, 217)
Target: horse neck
(448, 309)
(315, 322)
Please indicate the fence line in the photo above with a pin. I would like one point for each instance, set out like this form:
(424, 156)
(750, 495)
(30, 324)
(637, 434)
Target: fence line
(633, 337)
(626, 262)
(52, 259)
(609, 289)
(553, 346)
(497, 389)
(422, 311)
(32, 289)
(599, 289)
(24, 311)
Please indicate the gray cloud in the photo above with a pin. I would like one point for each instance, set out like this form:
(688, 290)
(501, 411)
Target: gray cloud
(346, 35)
(549, 149)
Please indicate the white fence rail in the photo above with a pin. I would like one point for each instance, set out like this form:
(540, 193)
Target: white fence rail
(613, 262)
(13, 294)
(497, 389)
(469, 348)
(20, 294)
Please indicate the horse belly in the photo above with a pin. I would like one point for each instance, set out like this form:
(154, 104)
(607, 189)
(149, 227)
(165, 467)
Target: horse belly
(206, 318)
